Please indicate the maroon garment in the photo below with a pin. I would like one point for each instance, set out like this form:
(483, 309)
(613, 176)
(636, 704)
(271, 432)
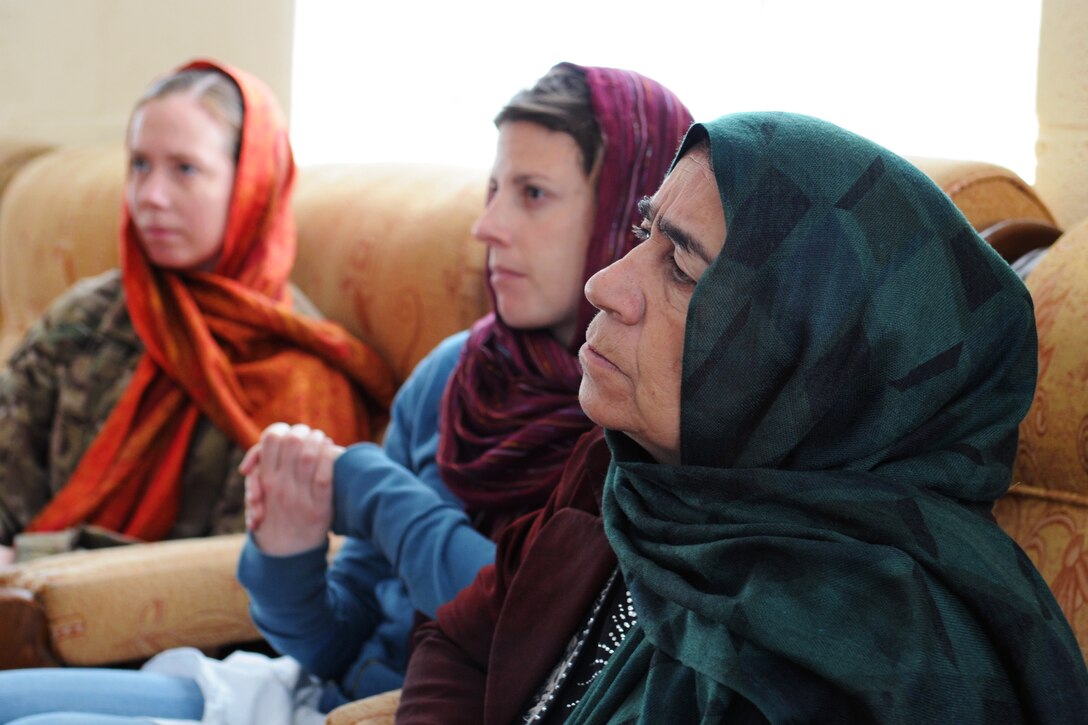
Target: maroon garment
(490, 649)
(510, 413)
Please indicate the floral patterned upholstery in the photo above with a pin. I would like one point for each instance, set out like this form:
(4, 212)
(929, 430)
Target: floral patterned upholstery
(387, 251)
(59, 218)
(1046, 510)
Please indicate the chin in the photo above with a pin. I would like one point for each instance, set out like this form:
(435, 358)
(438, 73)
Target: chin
(519, 320)
(508, 313)
(596, 409)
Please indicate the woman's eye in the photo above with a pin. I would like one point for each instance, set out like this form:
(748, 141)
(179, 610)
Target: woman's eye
(533, 193)
(139, 164)
(679, 275)
(492, 189)
(186, 169)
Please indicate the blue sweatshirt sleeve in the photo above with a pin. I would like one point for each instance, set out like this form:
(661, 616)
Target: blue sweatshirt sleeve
(318, 614)
(400, 521)
(394, 498)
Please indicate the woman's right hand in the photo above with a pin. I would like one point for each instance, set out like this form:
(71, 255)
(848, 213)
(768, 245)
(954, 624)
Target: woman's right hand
(289, 488)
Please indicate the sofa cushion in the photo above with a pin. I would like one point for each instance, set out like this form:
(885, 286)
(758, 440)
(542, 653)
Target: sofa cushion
(385, 250)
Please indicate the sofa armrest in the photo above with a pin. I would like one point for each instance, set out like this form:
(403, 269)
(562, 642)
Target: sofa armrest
(375, 710)
(24, 632)
(127, 603)
(1013, 238)
(986, 193)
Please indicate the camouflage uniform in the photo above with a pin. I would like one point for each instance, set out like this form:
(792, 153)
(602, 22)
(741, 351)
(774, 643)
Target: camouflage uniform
(59, 387)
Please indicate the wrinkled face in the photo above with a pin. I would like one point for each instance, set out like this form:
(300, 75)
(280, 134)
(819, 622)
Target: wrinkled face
(537, 225)
(633, 357)
(179, 183)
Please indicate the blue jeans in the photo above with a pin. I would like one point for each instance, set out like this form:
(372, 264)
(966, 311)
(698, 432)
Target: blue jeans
(100, 696)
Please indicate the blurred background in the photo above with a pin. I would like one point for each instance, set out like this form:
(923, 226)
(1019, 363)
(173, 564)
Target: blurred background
(420, 81)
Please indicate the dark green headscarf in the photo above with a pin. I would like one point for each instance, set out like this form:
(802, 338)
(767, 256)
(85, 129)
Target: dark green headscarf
(856, 364)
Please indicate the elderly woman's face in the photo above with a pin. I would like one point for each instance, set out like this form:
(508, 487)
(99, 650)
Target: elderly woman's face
(633, 356)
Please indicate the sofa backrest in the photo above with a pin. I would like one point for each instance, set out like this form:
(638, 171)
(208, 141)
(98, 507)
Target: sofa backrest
(388, 252)
(14, 155)
(385, 250)
(58, 223)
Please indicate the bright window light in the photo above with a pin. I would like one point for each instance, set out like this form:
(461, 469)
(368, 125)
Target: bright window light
(420, 81)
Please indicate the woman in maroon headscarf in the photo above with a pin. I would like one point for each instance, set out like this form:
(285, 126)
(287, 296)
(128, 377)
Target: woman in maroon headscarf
(481, 430)
(485, 425)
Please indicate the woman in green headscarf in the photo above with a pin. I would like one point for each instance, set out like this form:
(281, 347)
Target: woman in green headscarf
(811, 375)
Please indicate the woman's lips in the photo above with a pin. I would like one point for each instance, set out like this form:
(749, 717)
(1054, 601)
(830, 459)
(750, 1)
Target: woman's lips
(157, 233)
(591, 356)
(504, 272)
(502, 276)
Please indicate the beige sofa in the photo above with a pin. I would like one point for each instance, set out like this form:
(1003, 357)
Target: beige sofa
(387, 252)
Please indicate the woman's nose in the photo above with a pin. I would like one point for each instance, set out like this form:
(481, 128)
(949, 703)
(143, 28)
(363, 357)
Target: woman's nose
(151, 191)
(492, 227)
(615, 290)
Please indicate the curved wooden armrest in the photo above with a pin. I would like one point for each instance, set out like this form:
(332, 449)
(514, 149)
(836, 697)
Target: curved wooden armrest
(1013, 238)
(24, 634)
(375, 710)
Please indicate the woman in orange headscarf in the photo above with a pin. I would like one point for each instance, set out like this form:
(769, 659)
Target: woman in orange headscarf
(128, 405)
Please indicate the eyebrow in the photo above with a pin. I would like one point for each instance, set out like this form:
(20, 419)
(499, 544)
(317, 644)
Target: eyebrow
(679, 237)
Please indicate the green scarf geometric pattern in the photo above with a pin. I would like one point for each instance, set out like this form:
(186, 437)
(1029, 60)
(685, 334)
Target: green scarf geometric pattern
(856, 364)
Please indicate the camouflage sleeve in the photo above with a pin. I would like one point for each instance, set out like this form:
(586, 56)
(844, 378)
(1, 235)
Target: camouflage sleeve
(230, 514)
(31, 386)
(28, 394)
(60, 386)
(211, 486)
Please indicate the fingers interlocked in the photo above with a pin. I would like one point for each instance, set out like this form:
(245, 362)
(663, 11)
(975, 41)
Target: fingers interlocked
(289, 476)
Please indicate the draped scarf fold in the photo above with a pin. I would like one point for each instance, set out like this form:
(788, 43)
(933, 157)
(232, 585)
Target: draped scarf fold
(856, 365)
(224, 344)
(510, 412)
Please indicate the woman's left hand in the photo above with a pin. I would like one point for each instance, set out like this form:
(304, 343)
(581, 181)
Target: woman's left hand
(289, 488)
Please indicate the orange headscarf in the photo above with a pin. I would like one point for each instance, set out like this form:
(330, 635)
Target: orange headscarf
(224, 344)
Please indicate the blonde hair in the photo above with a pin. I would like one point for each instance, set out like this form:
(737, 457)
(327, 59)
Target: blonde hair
(215, 91)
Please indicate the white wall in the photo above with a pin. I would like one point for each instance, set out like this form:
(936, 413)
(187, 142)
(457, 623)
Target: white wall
(421, 80)
(71, 69)
(1063, 110)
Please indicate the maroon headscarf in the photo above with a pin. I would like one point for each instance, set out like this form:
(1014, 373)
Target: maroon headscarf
(510, 413)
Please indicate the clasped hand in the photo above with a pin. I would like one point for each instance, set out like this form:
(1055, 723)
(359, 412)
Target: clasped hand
(289, 496)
